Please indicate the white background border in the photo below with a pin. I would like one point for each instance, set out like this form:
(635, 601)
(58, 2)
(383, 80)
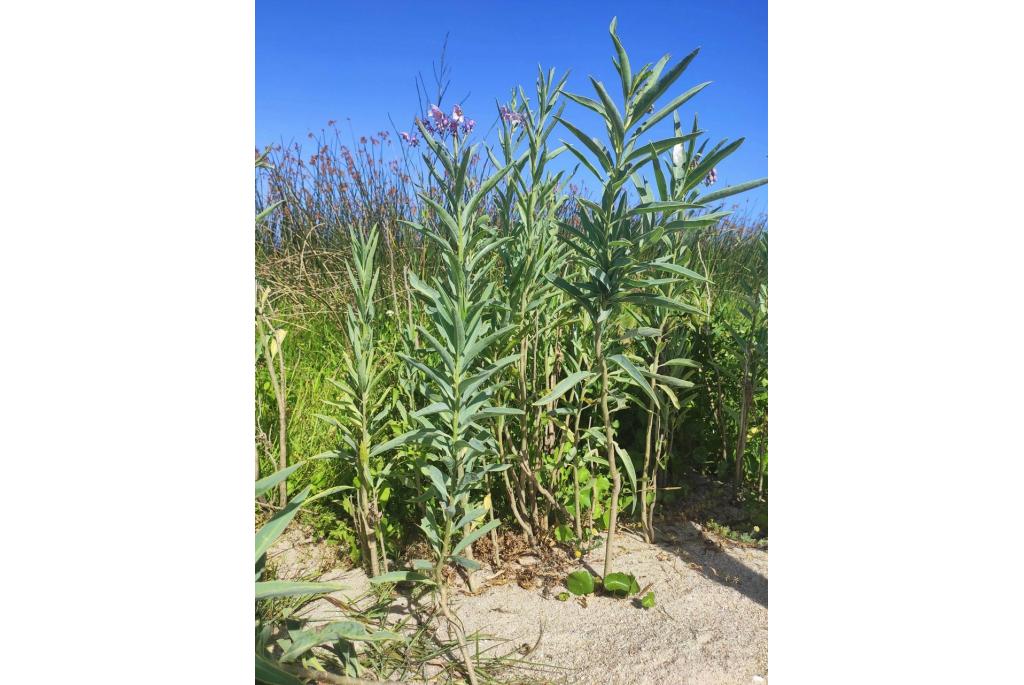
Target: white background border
(127, 279)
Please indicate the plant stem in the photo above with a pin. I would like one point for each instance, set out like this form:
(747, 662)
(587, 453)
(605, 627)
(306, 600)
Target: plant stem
(278, 385)
(647, 461)
(610, 453)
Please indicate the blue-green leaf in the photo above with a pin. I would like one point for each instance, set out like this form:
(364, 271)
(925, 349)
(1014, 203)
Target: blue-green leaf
(563, 387)
(626, 365)
(273, 528)
(401, 577)
(476, 534)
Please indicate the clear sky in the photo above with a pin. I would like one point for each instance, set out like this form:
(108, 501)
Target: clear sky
(358, 60)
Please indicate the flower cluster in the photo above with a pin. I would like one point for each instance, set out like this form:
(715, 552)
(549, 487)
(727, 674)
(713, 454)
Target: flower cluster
(441, 124)
(510, 116)
(410, 139)
(712, 175)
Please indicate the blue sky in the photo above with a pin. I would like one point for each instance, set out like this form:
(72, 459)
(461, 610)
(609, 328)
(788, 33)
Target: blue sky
(358, 60)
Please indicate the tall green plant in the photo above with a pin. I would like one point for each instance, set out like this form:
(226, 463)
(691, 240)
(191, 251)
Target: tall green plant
(459, 303)
(528, 208)
(611, 246)
(365, 408)
(675, 179)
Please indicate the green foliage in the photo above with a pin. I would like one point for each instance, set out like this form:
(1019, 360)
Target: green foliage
(647, 602)
(623, 584)
(454, 360)
(299, 641)
(580, 582)
(754, 536)
(564, 533)
(495, 347)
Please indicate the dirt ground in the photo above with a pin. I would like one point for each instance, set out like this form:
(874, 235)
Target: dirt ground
(709, 625)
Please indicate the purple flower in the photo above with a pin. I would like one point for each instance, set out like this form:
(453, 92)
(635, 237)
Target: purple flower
(510, 116)
(441, 124)
(711, 177)
(437, 121)
(411, 140)
(459, 123)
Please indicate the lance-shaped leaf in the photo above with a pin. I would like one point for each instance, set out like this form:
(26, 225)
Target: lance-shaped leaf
(611, 111)
(475, 535)
(440, 349)
(265, 484)
(670, 394)
(728, 191)
(642, 332)
(495, 411)
(622, 63)
(304, 640)
(627, 463)
(680, 270)
(417, 435)
(575, 293)
(467, 564)
(434, 408)
(563, 387)
(591, 144)
(634, 373)
(697, 221)
(479, 195)
(480, 345)
(401, 577)
(651, 95)
(327, 493)
(592, 105)
(641, 156)
(660, 301)
(471, 516)
(668, 380)
(670, 206)
(695, 177)
(671, 107)
(289, 588)
(273, 528)
(679, 361)
(470, 385)
(586, 162)
(428, 371)
(437, 479)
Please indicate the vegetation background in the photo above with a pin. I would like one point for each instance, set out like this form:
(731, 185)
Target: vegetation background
(450, 336)
(318, 190)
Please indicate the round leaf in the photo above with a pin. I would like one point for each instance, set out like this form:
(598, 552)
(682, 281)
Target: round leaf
(580, 582)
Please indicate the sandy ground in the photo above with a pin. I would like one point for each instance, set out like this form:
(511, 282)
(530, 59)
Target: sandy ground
(709, 625)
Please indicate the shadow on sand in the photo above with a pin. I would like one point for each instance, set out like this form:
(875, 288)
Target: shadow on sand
(707, 555)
